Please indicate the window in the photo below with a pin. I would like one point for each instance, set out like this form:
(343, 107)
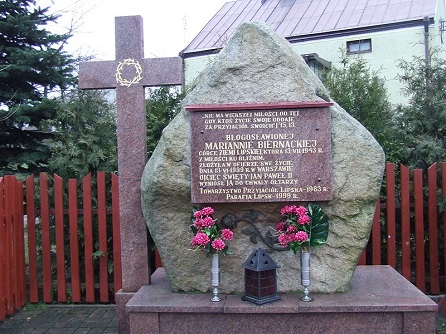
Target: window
(359, 46)
(316, 63)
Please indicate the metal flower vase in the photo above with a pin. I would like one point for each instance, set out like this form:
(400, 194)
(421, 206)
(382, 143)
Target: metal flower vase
(215, 276)
(305, 274)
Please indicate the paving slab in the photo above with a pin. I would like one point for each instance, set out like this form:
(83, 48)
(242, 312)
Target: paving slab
(61, 319)
(35, 319)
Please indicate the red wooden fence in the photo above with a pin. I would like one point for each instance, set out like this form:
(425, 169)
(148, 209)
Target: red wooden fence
(406, 235)
(67, 229)
(81, 221)
(12, 250)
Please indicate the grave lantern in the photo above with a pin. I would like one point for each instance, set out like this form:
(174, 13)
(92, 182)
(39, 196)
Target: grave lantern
(260, 278)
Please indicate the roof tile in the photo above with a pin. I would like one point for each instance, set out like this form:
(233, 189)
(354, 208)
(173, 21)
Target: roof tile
(302, 17)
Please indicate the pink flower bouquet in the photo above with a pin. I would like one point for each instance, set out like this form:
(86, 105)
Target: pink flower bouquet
(302, 227)
(208, 236)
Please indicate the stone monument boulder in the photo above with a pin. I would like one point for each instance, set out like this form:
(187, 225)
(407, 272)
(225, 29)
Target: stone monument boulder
(258, 66)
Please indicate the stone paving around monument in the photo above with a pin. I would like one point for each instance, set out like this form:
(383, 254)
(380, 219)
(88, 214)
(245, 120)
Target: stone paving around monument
(61, 319)
(85, 319)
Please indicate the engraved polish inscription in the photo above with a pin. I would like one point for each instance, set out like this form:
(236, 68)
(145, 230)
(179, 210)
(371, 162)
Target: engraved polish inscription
(272, 155)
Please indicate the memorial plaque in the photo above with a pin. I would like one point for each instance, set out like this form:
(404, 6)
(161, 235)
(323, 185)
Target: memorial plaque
(261, 152)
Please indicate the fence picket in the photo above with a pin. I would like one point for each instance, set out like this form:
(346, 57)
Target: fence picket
(405, 222)
(390, 202)
(443, 188)
(12, 246)
(361, 262)
(74, 241)
(88, 239)
(102, 219)
(12, 195)
(117, 274)
(11, 200)
(32, 240)
(3, 245)
(60, 240)
(46, 240)
(21, 244)
(433, 230)
(9, 253)
(15, 238)
(376, 234)
(420, 280)
(158, 262)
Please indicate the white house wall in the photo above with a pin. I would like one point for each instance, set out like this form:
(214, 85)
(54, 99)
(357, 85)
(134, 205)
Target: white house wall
(194, 66)
(388, 47)
(440, 14)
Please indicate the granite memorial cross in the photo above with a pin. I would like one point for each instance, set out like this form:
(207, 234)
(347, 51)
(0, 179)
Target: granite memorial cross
(129, 74)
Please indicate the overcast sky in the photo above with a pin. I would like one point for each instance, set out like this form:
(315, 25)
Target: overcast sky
(169, 25)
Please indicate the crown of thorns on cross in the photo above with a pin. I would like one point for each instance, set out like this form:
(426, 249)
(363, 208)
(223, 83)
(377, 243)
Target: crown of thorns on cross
(138, 72)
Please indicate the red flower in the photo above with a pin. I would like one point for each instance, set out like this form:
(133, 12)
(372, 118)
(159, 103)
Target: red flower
(280, 226)
(207, 222)
(283, 239)
(200, 239)
(227, 234)
(218, 244)
(304, 220)
(301, 236)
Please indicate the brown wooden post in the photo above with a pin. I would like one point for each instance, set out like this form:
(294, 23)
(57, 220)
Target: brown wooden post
(32, 242)
(46, 241)
(73, 223)
(433, 230)
(129, 74)
(60, 239)
(88, 239)
(406, 242)
(102, 220)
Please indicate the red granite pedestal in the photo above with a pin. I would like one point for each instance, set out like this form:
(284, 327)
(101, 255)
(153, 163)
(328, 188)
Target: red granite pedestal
(380, 301)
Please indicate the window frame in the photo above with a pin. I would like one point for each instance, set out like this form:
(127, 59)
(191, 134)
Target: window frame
(359, 42)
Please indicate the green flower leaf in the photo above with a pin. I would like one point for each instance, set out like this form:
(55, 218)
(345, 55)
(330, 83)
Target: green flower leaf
(319, 225)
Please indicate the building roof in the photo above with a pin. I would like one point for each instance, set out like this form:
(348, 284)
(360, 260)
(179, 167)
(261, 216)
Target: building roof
(299, 18)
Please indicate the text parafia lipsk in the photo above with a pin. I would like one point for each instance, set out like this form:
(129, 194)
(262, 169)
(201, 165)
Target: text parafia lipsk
(246, 193)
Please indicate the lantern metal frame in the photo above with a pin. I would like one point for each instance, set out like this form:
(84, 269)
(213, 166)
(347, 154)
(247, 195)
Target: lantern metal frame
(260, 278)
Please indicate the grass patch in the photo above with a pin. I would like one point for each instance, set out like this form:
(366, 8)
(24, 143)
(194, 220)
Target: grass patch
(35, 306)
